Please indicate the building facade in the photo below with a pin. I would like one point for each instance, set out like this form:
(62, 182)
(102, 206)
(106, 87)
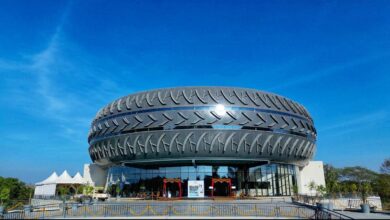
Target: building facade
(202, 142)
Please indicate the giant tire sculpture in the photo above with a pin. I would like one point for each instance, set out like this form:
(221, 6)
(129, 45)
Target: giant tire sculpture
(202, 125)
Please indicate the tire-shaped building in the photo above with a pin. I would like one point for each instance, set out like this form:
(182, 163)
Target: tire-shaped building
(237, 141)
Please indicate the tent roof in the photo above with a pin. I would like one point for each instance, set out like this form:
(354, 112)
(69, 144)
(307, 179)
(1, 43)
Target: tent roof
(50, 180)
(78, 179)
(64, 178)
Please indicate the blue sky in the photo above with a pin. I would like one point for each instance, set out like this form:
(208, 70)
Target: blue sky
(60, 61)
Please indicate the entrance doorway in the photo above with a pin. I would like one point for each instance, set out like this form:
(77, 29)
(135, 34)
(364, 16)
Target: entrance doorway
(221, 187)
(172, 188)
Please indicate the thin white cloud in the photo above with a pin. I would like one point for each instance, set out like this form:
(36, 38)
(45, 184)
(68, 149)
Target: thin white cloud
(45, 63)
(59, 84)
(356, 123)
(41, 66)
(42, 96)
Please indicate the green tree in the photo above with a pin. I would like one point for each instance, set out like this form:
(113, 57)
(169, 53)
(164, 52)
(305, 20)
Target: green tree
(360, 176)
(80, 189)
(19, 192)
(365, 191)
(343, 187)
(117, 190)
(382, 184)
(88, 190)
(312, 186)
(295, 189)
(357, 174)
(321, 190)
(4, 195)
(353, 188)
(331, 179)
(109, 189)
(63, 191)
(385, 167)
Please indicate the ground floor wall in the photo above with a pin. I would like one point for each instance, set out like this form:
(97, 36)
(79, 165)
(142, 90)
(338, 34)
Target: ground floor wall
(273, 179)
(264, 180)
(95, 175)
(311, 174)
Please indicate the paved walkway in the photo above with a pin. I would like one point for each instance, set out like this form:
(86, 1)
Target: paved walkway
(360, 215)
(183, 217)
(285, 200)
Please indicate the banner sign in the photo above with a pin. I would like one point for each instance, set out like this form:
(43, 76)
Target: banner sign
(195, 189)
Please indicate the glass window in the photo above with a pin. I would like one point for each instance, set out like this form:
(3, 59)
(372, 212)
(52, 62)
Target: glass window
(201, 169)
(192, 169)
(131, 176)
(266, 180)
(136, 170)
(171, 169)
(143, 175)
(184, 169)
(149, 173)
(232, 172)
(208, 170)
(173, 175)
(162, 170)
(222, 171)
(184, 175)
(282, 180)
(286, 175)
(289, 185)
(192, 175)
(252, 175)
(201, 176)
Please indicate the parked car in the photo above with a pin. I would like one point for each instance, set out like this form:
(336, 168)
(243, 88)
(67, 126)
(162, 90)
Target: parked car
(100, 196)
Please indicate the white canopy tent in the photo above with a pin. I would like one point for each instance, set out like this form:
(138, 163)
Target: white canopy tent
(65, 178)
(78, 179)
(47, 187)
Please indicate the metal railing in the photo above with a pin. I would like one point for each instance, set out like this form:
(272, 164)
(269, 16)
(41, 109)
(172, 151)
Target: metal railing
(163, 209)
(339, 202)
(323, 213)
